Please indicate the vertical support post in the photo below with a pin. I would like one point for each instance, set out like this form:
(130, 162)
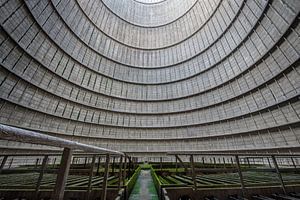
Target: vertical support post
(98, 166)
(3, 163)
(214, 162)
(120, 172)
(248, 162)
(240, 174)
(42, 171)
(160, 164)
(113, 165)
(104, 184)
(293, 163)
(182, 164)
(62, 174)
(278, 173)
(54, 161)
(176, 164)
(129, 167)
(269, 162)
(193, 171)
(91, 174)
(124, 172)
(232, 163)
(36, 163)
(73, 160)
(85, 161)
(11, 161)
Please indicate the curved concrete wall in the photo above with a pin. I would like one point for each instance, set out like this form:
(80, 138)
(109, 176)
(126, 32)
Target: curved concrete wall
(151, 76)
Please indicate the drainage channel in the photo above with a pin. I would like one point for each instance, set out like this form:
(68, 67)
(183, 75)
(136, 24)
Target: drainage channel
(144, 187)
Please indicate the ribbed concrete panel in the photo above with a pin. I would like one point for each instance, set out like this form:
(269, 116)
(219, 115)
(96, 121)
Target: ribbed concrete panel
(149, 14)
(152, 76)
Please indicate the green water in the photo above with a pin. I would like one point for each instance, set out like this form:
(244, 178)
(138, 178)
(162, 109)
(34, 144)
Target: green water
(144, 188)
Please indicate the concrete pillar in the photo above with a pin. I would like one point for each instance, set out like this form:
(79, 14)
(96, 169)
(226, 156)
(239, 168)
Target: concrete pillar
(62, 175)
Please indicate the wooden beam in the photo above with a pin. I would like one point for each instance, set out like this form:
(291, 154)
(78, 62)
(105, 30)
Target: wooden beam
(279, 174)
(106, 174)
(62, 175)
(38, 184)
(91, 174)
(193, 171)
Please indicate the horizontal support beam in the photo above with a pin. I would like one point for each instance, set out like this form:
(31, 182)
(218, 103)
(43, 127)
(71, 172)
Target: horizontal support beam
(211, 153)
(25, 136)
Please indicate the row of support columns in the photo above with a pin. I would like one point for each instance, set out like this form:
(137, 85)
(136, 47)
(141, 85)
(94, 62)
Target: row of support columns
(65, 166)
(238, 166)
(63, 172)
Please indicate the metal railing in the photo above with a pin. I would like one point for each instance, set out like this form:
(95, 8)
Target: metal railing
(25, 136)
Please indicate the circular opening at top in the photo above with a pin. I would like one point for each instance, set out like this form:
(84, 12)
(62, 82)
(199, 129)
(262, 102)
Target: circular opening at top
(149, 1)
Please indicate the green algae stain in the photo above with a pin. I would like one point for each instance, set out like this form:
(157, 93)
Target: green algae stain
(144, 187)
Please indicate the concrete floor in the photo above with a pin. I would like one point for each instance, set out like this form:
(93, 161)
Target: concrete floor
(144, 188)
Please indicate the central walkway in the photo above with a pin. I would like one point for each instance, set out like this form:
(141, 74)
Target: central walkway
(144, 188)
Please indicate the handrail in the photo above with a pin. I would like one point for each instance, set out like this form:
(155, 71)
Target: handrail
(26, 136)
